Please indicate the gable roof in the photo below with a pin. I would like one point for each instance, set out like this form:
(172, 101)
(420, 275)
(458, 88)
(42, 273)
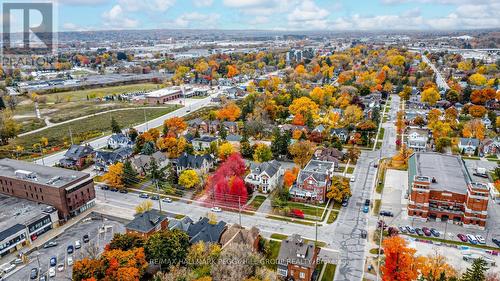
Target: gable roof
(469, 141)
(193, 161)
(205, 139)
(76, 152)
(180, 224)
(295, 250)
(120, 138)
(113, 156)
(146, 221)
(270, 168)
(204, 231)
(240, 235)
(316, 169)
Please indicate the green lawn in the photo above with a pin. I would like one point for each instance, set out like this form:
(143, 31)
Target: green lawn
(329, 272)
(100, 92)
(274, 252)
(297, 221)
(85, 129)
(350, 170)
(381, 133)
(30, 124)
(308, 210)
(332, 217)
(279, 236)
(257, 201)
(376, 206)
(378, 145)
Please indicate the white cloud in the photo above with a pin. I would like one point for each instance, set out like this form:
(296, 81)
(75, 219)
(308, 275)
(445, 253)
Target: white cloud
(146, 5)
(308, 15)
(196, 20)
(245, 3)
(116, 18)
(82, 2)
(203, 3)
(69, 26)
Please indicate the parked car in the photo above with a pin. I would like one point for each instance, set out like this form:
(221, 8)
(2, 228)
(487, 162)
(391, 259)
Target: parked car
(353, 179)
(462, 237)
(364, 234)
(17, 261)
(7, 267)
(53, 261)
(104, 187)
(367, 202)
(496, 241)
(166, 200)
(426, 231)
(480, 239)
(402, 229)
(435, 233)
(155, 197)
(366, 209)
(216, 209)
(34, 273)
(86, 238)
(419, 231)
(78, 244)
(143, 195)
(410, 229)
(345, 201)
(43, 278)
(70, 261)
(70, 249)
(123, 190)
(386, 214)
(52, 272)
(472, 239)
(60, 267)
(50, 244)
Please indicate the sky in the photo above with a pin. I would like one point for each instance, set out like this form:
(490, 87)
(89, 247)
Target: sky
(330, 15)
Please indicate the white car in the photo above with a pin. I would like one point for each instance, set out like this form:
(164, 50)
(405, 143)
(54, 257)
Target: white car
(70, 261)
(472, 239)
(7, 267)
(216, 209)
(353, 179)
(166, 200)
(52, 272)
(78, 244)
(60, 267)
(480, 239)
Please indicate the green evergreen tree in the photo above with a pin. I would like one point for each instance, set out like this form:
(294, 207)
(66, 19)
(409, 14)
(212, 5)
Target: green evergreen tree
(476, 272)
(115, 127)
(129, 173)
(2, 104)
(148, 148)
(223, 132)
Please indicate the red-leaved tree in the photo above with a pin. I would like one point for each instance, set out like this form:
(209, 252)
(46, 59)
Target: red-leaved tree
(226, 184)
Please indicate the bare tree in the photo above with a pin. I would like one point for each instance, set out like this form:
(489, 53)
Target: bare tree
(237, 262)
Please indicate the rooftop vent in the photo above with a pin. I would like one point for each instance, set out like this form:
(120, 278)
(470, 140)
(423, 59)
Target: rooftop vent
(434, 180)
(28, 175)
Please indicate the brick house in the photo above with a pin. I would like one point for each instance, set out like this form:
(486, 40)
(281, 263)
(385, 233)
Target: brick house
(77, 157)
(297, 259)
(313, 182)
(147, 223)
(236, 234)
(440, 188)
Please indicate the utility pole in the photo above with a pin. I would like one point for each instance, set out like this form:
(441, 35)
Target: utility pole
(239, 207)
(71, 135)
(316, 227)
(158, 191)
(41, 153)
(145, 119)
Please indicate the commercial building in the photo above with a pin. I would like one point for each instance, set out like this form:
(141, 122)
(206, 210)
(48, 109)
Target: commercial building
(22, 222)
(164, 95)
(70, 192)
(440, 188)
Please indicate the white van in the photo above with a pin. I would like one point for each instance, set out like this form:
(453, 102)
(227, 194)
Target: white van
(7, 267)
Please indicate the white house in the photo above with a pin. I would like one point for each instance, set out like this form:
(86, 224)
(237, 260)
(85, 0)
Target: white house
(468, 145)
(119, 140)
(264, 176)
(417, 139)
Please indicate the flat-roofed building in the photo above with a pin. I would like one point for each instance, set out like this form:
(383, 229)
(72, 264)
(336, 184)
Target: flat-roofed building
(22, 222)
(440, 188)
(70, 192)
(164, 95)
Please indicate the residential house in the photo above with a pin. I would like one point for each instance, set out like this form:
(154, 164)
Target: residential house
(417, 138)
(236, 234)
(147, 223)
(141, 162)
(234, 140)
(200, 163)
(199, 125)
(205, 231)
(203, 142)
(490, 146)
(231, 127)
(313, 182)
(330, 154)
(341, 133)
(319, 129)
(468, 145)
(77, 157)
(487, 122)
(264, 176)
(292, 128)
(119, 140)
(180, 224)
(235, 92)
(105, 158)
(297, 259)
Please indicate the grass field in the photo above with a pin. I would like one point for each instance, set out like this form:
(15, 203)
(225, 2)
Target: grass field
(257, 201)
(85, 129)
(308, 210)
(381, 133)
(100, 92)
(350, 170)
(329, 272)
(30, 124)
(332, 217)
(274, 247)
(297, 221)
(376, 206)
(279, 236)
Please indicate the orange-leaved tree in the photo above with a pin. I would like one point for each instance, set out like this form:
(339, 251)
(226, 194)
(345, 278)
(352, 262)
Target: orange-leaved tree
(290, 176)
(230, 112)
(400, 261)
(174, 126)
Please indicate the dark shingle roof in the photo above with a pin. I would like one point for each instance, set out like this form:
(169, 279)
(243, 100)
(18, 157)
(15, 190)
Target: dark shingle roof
(146, 221)
(295, 250)
(11, 230)
(202, 230)
(76, 152)
(193, 161)
(270, 168)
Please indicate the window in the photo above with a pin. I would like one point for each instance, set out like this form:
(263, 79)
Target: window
(302, 275)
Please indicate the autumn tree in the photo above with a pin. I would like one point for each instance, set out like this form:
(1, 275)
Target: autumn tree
(224, 150)
(400, 261)
(232, 71)
(9, 128)
(434, 267)
(340, 189)
(226, 183)
(290, 176)
(353, 154)
(189, 178)
(262, 153)
(477, 79)
(229, 112)
(474, 129)
(430, 96)
(125, 241)
(304, 106)
(405, 94)
(172, 127)
(202, 255)
(481, 96)
(144, 206)
(477, 111)
(352, 115)
(170, 247)
(237, 262)
(302, 152)
(114, 176)
(172, 146)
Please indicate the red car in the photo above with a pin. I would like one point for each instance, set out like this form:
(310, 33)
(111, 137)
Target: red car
(462, 237)
(426, 231)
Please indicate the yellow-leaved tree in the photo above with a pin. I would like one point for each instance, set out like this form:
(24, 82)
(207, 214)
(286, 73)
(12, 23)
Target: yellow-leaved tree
(114, 176)
(189, 178)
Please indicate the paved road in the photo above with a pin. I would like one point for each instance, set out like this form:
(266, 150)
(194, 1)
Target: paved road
(52, 159)
(352, 219)
(440, 81)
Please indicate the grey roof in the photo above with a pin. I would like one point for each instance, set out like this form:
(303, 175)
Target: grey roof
(76, 152)
(204, 231)
(448, 170)
(196, 122)
(205, 139)
(146, 221)
(120, 138)
(270, 167)
(11, 231)
(180, 224)
(234, 138)
(338, 131)
(142, 161)
(320, 128)
(113, 156)
(193, 161)
(469, 141)
(295, 250)
(317, 169)
(49, 176)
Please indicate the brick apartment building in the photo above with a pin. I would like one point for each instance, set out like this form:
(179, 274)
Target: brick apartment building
(70, 192)
(440, 188)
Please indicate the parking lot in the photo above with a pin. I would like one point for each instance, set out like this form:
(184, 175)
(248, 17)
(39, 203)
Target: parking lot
(100, 231)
